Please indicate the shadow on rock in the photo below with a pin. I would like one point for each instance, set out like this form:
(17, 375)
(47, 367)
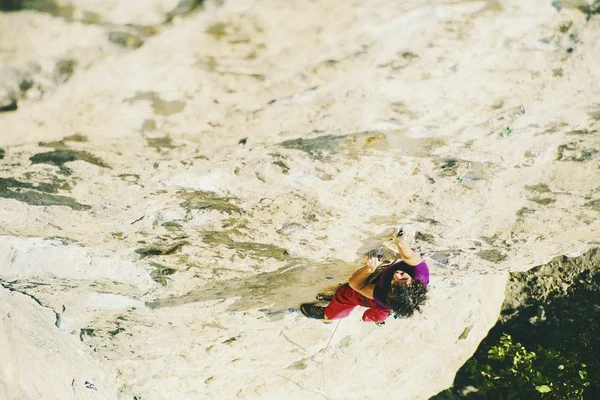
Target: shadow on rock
(273, 292)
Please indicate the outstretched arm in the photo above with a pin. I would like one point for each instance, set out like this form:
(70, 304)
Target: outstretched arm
(408, 255)
(358, 280)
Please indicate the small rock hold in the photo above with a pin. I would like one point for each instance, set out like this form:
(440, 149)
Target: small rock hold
(149, 125)
(64, 69)
(291, 227)
(465, 333)
(125, 39)
(442, 257)
(8, 104)
(25, 85)
(492, 255)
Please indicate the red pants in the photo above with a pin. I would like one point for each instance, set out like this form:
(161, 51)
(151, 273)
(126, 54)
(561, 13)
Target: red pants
(346, 299)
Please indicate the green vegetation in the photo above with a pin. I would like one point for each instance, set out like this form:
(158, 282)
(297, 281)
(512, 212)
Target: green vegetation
(511, 371)
(11, 5)
(546, 343)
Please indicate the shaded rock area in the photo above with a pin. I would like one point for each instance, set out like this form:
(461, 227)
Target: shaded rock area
(32, 338)
(546, 342)
(184, 7)
(590, 9)
(8, 102)
(11, 5)
(42, 194)
(79, 10)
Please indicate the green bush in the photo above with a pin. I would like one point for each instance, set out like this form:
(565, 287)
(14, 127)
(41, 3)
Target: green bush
(511, 371)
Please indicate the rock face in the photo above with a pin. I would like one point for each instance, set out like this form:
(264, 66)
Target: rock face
(177, 177)
(37, 358)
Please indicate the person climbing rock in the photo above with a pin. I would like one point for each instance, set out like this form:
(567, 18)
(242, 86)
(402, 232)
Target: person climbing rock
(398, 289)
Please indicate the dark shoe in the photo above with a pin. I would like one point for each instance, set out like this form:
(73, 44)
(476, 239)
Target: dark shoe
(313, 311)
(324, 297)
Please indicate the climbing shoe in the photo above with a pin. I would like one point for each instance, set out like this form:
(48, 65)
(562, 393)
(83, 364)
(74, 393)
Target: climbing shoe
(313, 311)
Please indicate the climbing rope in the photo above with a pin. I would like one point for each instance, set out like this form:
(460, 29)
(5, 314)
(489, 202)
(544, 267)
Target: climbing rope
(323, 360)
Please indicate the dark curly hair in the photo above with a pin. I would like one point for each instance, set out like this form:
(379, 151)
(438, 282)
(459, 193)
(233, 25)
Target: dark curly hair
(405, 300)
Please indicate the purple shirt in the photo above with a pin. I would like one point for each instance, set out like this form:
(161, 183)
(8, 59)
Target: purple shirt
(383, 282)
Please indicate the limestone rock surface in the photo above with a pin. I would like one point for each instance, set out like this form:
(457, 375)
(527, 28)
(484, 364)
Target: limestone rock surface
(176, 177)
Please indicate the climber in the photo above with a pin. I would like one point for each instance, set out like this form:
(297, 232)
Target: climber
(399, 289)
